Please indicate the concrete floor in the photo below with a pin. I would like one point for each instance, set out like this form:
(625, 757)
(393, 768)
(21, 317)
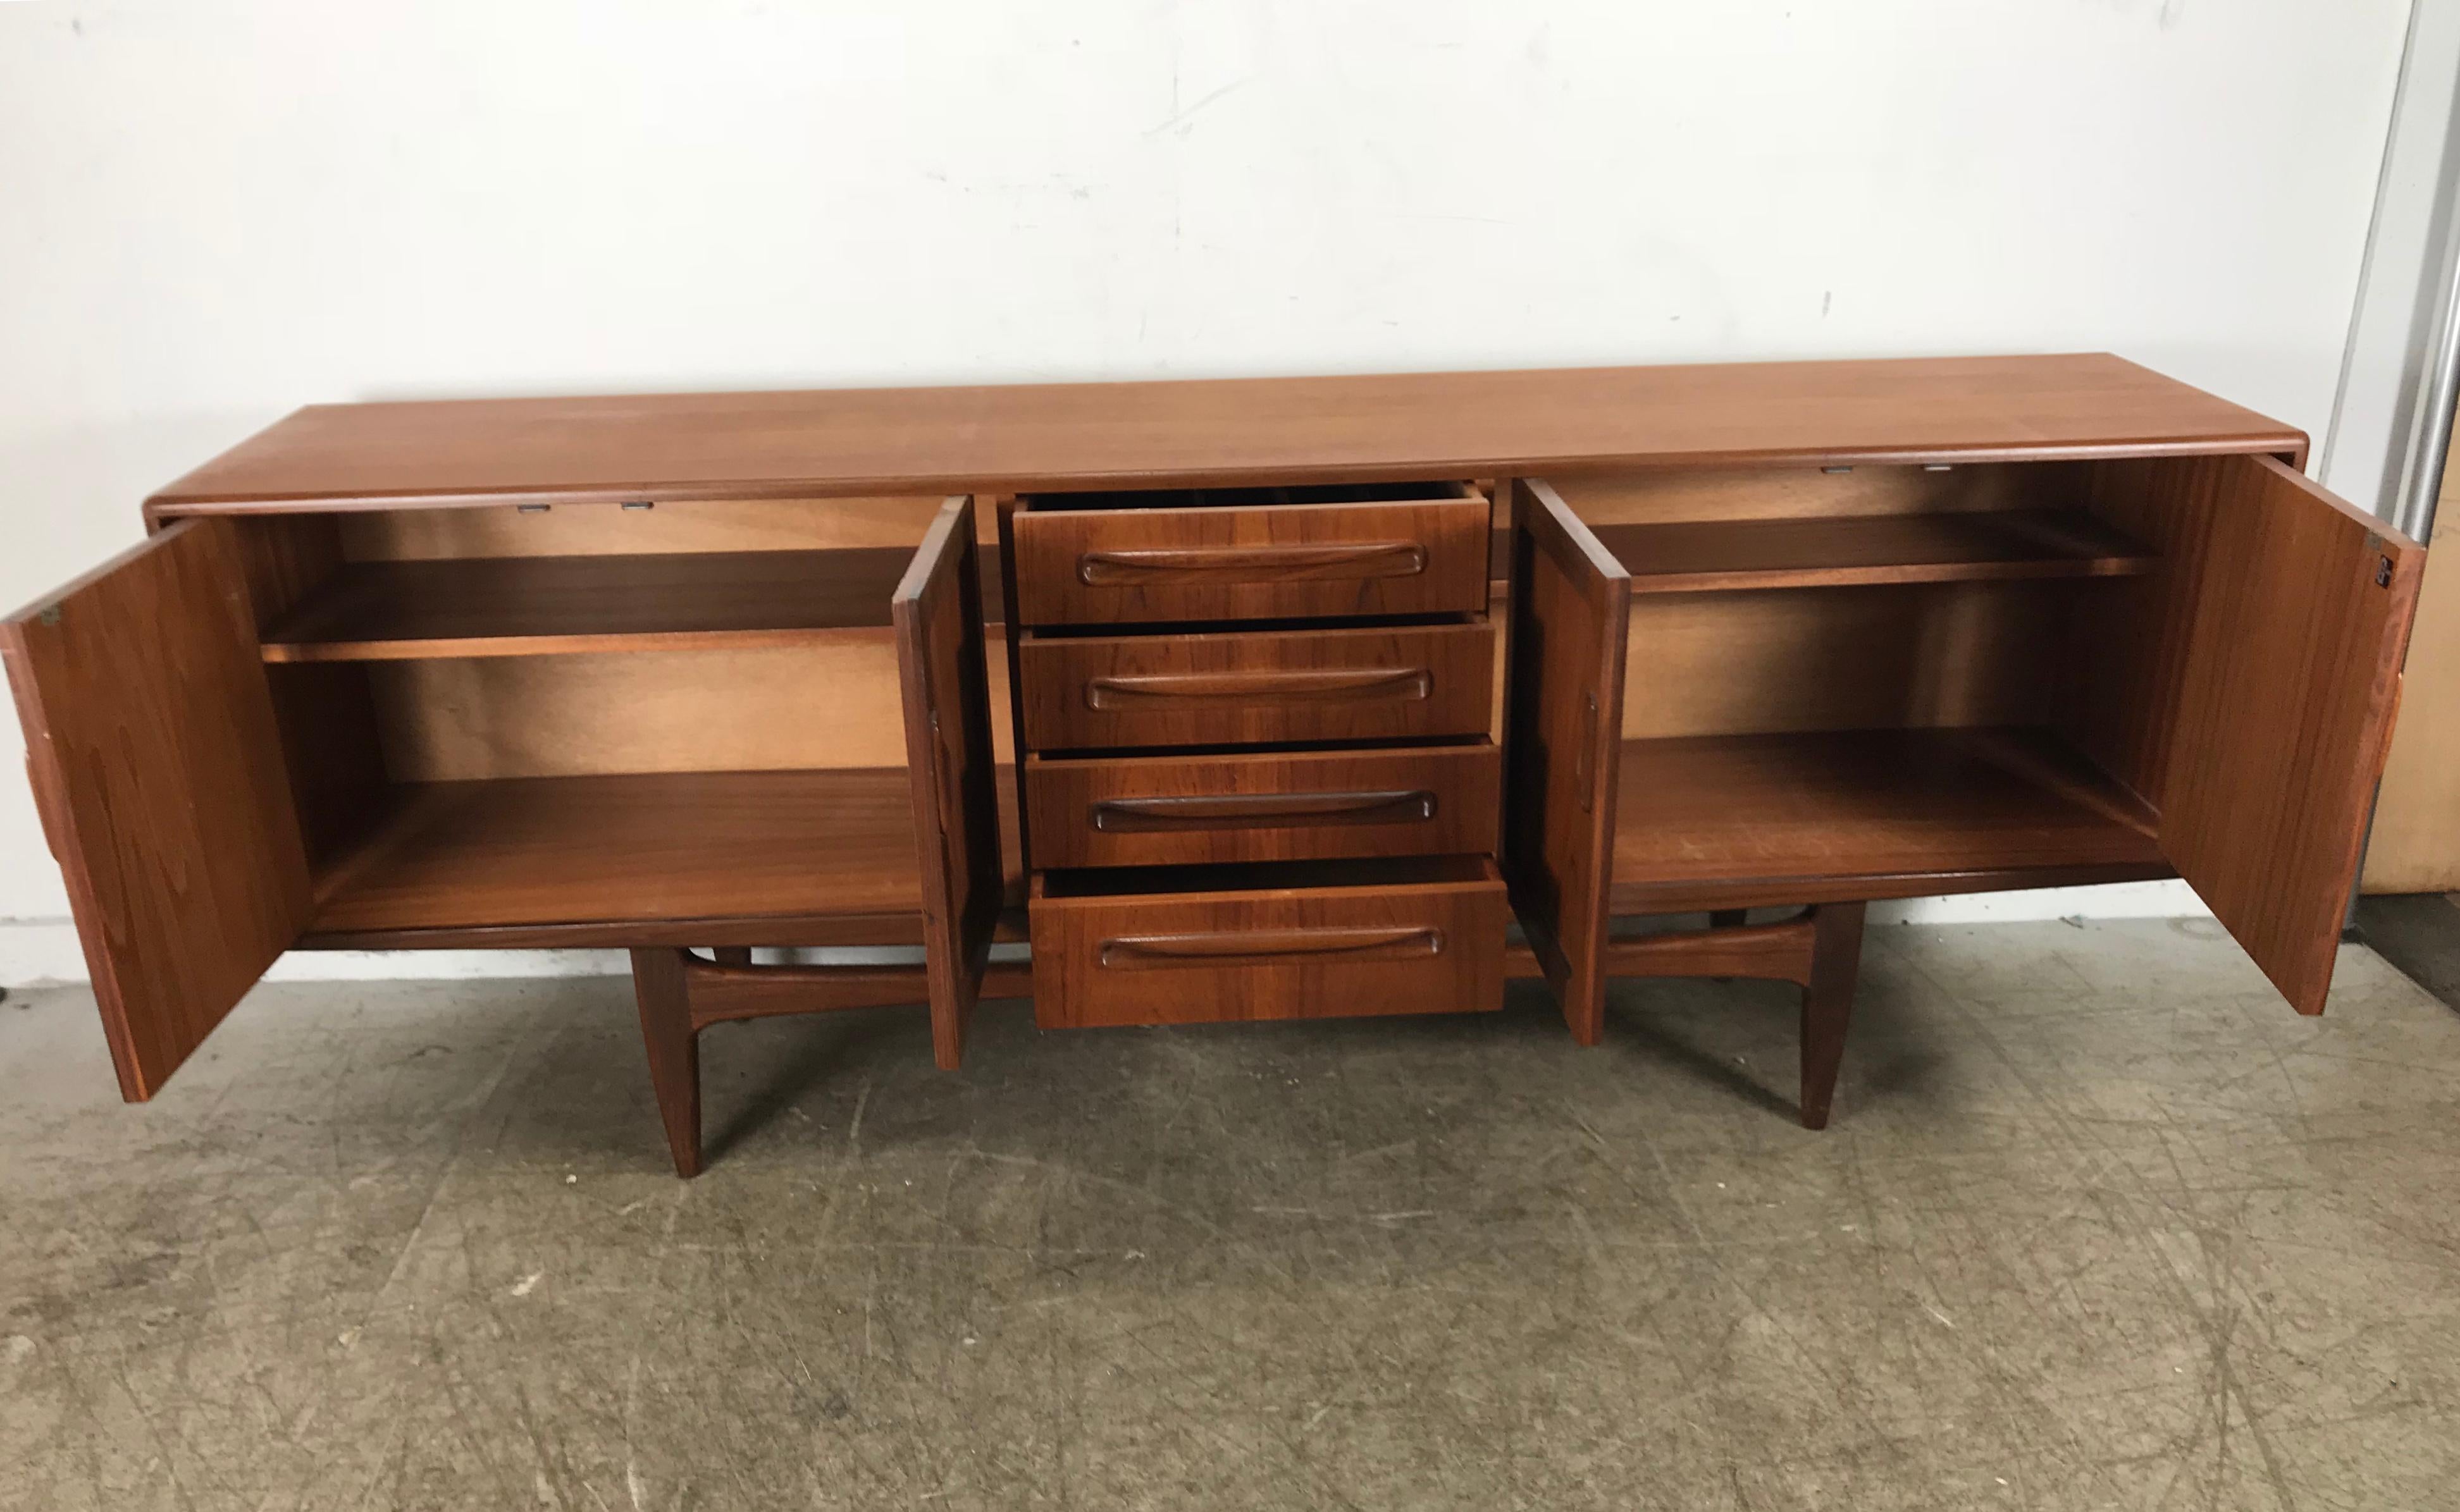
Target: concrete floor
(2419, 933)
(2101, 1223)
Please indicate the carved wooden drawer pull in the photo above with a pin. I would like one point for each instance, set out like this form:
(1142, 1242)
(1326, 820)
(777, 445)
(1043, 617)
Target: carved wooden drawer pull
(1267, 947)
(1264, 810)
(1397, 684)
(1264, 564)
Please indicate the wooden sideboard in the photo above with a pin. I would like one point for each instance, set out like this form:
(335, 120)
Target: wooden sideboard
(1240, 699)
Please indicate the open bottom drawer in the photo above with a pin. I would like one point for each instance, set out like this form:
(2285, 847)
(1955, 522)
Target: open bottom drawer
(1321, 940)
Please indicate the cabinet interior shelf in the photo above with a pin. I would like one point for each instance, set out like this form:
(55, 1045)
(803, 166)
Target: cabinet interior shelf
(387, 611)
(793, 847)
(1727, 821)
(1843, 550)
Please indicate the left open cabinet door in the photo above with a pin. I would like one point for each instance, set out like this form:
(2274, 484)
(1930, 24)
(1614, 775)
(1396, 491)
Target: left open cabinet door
(157, 768)
(938, 612)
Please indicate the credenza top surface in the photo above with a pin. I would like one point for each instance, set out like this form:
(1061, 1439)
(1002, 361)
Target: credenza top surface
(1212, 431)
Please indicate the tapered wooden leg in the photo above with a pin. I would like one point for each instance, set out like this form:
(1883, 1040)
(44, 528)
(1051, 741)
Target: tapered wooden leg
(664, 995)
(1729, 918)
(1828, 1004)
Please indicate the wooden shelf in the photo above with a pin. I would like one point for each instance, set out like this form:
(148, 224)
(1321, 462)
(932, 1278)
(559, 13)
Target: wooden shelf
(796, 858)
(1727, 821)
(502, 606)
(1710, 556)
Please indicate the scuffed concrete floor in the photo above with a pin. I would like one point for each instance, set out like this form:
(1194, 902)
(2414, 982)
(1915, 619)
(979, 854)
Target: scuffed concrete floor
(2101, 1223)
(2418, 932)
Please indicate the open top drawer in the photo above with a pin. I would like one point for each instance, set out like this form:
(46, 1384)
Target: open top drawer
(1251, 554)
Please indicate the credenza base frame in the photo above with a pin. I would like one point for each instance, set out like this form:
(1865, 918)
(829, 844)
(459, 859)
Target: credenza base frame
(681, 993)
(1818, 950)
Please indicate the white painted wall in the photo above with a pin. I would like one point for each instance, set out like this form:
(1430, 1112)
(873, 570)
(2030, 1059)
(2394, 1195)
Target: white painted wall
(211, 212)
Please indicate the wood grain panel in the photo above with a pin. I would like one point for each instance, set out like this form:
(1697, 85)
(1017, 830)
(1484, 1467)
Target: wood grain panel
(1780, 952)
(331, 747)
(773, 708)
(1676, 495)
(2127, 649)
(1249, 806)
(711, 847)
(559, 605)
(1429, 941)
(668, 527)
(158, 768)
(946, 684)
(726, 990)
(1114, 566)
(1734, 821)
(284, 559)
(1570, 602)
(1389, 682)
(1998, 545)
(2285, 715)
(1007, 667)
(1060, 436)
(1918, 655)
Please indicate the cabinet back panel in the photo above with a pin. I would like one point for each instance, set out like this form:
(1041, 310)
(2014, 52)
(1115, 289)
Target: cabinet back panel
(1662, 495)
(834, 705)
(589, 530)
(1899, 656)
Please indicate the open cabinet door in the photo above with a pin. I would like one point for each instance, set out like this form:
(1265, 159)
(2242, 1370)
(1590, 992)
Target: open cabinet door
(2285, 713)
(1571, 604)
(938, 611)
(157, 766)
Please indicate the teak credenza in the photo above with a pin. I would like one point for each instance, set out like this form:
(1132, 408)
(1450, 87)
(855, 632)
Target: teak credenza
(1304, 689)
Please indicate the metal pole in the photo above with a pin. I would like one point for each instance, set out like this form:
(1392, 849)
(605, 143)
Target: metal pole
(2422, 479)
(2430, 429)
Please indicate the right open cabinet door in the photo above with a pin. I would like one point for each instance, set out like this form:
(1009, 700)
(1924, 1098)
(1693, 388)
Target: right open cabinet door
(2284, 710)
(157, 768)
(938, 612)
(1570, 608)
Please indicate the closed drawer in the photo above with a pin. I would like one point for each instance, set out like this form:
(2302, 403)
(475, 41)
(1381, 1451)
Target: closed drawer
(1169, 811)
(1122, 565)
(1323, 940)
(1391, 683)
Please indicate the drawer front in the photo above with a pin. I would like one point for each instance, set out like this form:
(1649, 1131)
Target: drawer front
(1432, 946)
(1163, 810)
(1388, 684)
(1121, 566)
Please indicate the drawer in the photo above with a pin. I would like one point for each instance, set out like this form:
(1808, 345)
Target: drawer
(1389, 683)
(1141, 564)
(1321, 940)
(1251, 805)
